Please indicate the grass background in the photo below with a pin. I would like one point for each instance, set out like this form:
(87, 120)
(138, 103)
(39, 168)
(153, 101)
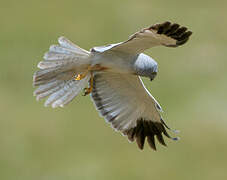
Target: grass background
(74, 142)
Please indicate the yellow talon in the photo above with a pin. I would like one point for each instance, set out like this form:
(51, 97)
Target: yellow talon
(87, 91)
(80, 76)
(83, 75)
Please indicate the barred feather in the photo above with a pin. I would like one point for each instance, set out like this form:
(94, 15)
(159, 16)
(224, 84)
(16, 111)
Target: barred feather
(57, 73)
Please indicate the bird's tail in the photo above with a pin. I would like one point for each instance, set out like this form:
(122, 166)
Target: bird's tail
(56, 77)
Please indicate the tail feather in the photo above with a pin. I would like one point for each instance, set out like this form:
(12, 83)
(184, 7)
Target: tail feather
(45, 90)
(68, 44)
(45, 73)
(62, 50)
(46, 87)
(48, 92)
(54, 63)
(66, 92)
(57, 71)
(44, 76)
(56, 56)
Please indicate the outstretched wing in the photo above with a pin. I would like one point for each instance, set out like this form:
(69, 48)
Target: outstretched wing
(166, 34)
(124, 102)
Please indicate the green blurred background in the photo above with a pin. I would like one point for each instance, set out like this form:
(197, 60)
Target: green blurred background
(41, 143)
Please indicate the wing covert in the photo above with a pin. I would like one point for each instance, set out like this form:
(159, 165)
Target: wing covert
(166, 34)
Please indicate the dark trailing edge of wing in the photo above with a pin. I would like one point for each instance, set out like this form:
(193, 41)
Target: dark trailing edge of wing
(180, 34)
(144, 128)
(99, 103)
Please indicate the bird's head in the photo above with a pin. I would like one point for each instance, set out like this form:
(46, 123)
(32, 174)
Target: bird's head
(146, 66)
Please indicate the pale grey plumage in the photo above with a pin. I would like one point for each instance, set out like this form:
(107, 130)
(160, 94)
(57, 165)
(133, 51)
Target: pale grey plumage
(145, 66)
(118, 92)
(55, 77)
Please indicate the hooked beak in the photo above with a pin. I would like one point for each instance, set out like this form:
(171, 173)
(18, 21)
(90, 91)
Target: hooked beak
(153, 75)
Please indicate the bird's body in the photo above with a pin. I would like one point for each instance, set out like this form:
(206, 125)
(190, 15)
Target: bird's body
(140, 64)
(113, 62)
(113, 73)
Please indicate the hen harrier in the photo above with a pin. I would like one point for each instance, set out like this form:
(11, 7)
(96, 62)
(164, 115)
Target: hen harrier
(113, 74)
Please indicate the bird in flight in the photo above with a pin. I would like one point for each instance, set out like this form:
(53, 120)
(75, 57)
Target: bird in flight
(112, 74)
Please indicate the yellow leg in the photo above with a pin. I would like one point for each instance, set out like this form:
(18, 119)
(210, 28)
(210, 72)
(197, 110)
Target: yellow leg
(89, 90)
(90, 68)
(83, 75)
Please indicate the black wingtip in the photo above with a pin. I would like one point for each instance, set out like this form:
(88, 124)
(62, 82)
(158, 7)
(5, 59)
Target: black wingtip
(173, 30)
(173, 130)
(151, 142)
(148, 129)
